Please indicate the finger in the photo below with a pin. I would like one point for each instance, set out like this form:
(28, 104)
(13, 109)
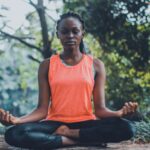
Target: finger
(136, 105)
(3, 115)
(128, 108)
(124, 110)
(10, 115)
(12, 119)
(1, 110)
(132, 106)
(7, 116)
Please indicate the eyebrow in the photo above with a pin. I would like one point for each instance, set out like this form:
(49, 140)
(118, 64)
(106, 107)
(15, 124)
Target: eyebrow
(64, 28)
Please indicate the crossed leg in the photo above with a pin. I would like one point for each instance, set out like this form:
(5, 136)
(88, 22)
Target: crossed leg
(52, 134)
(103, 131)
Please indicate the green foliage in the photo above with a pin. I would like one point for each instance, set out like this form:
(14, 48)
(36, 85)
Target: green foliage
(18, 73)
(120, 26)
(142, 132)
(18, 81)
(124, 83)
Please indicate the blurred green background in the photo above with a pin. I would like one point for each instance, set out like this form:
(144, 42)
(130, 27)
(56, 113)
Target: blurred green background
(117, 32)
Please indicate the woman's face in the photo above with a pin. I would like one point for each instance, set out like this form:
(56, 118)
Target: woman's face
(70, 33)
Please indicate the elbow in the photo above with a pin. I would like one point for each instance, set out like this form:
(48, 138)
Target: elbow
(43, 112)
(44, 115)
(100, 113)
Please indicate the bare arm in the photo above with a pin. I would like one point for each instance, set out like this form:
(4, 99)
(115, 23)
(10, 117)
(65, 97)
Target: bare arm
(101, 111)
(44, 95)
(43, 101)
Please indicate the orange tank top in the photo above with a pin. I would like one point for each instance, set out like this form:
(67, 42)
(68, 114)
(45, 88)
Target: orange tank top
(71, 90)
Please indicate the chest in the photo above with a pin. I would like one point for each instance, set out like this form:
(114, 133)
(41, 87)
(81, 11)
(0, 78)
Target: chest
(77, 77)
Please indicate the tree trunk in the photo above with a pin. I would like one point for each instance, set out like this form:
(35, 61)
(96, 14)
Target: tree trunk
(44, 30)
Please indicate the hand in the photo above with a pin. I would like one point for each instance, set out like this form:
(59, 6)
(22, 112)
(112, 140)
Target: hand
(129, 107)
(14, 120)
(7, 119)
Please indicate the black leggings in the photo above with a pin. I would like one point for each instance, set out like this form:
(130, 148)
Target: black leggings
(38, 135)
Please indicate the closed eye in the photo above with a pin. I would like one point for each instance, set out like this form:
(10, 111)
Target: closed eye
(74, 31)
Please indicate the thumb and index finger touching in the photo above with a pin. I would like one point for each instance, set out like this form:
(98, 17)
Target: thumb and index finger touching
(5, 117)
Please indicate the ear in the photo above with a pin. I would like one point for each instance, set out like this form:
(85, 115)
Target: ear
(57, 35)
(83, 33)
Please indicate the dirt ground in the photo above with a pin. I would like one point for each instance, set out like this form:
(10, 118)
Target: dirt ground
(111, 146)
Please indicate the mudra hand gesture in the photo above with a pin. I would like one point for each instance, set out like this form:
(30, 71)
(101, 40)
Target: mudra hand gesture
(129, 107)
(6, 118)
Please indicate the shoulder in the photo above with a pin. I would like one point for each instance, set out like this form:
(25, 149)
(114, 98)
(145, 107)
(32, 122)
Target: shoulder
(98, 65)
(44, 66)
(45, 63)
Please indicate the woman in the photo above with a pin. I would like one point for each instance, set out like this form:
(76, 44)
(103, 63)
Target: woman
(64, 115)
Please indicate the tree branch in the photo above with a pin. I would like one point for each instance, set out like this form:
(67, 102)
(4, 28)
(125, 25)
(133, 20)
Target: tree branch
(31, 38)
(52, 37)
(21, 40)
(34, 5)
(51, 18)
(44, 29)
(34, 59)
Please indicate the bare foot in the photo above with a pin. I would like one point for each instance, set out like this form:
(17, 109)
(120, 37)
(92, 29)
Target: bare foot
(67, 141)
(65, 131)
(62, 130)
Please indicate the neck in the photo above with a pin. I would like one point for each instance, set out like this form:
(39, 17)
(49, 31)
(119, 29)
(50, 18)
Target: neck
(71, 53)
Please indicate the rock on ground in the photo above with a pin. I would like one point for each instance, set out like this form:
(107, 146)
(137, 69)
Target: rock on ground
(111, 146)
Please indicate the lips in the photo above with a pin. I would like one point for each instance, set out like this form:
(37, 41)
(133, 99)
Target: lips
(70, 42)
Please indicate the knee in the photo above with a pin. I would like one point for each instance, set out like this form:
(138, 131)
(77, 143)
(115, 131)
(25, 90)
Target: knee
(15, 135)
(131, 131)
(10, 135)
(128, 130)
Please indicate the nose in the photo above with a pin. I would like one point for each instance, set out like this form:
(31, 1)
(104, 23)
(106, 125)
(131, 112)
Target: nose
(70, 35)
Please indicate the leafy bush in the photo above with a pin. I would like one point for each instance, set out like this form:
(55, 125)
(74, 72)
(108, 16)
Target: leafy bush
(142, 132)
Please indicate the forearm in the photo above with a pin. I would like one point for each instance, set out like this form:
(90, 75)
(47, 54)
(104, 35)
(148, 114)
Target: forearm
(105, 112)
(37, 115)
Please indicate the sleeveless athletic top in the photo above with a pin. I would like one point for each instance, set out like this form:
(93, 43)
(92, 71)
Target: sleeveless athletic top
(71, 90)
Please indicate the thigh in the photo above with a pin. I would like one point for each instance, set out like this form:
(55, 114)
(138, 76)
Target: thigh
(112, 129)
(46, 126)
(43, 126)
(106, 122)
(49, 126)
(33, 135)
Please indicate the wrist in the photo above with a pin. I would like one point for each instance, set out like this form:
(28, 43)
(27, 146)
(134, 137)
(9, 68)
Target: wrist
(119, 113)
(16, 121)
